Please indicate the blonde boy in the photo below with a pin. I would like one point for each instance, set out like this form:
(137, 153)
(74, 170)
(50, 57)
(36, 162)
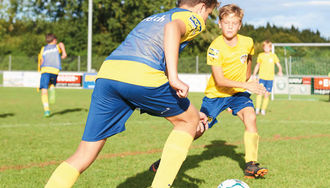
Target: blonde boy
(230, 56)
(265, 65)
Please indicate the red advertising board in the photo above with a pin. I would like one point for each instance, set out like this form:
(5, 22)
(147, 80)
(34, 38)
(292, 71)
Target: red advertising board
(307, 80)
(69, 80)
(322, 85)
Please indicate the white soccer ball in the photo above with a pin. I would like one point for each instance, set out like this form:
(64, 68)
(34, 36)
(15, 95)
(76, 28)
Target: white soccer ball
(233, 183)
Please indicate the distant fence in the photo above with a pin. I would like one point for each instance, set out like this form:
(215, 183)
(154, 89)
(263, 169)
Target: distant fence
(79, 63)
(197, 64)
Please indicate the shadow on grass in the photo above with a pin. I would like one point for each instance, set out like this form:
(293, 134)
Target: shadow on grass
(68, 111)
(215, 149)
(6, 115)
(325, 99)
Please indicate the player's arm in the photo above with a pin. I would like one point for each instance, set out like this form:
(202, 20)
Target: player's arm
(256, 69)
(222, 81)
(249, 65)
(279, 66)
(173, 32)
(64, 55)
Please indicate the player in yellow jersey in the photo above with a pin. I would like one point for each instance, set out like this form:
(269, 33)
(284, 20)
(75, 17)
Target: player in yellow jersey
(49, 63)
(230, 56)
(142, 73)
(265, 65)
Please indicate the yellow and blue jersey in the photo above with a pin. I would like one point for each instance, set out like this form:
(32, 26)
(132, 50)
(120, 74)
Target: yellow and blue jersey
(51, 59)
(140, 59)
(233, 61)
(267, 62)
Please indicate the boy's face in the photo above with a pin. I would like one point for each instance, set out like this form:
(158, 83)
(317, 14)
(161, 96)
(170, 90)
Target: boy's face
(230, 25)
(267, 48)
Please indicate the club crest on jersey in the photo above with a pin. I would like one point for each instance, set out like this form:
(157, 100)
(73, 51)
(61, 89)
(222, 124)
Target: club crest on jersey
(243, 58)
(196, 24)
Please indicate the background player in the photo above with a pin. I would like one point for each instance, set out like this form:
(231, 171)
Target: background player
(49, 63)
(133, 76)
(230, 56)
(265, 65)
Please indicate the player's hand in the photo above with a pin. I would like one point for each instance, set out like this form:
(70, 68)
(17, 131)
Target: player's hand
(181, 88)
(280, 73)
(203, 124)
(255, 87)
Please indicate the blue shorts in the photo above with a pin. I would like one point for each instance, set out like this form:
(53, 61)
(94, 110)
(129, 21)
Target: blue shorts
(113, 102)
(268, 84)
(212, 107)
(47, 79)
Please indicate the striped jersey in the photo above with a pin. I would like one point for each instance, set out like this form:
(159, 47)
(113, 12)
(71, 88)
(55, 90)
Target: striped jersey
(140, 59)
(51, 59)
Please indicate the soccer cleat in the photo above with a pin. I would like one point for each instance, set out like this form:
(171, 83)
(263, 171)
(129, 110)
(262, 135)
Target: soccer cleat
(154, 166)
(257, 111)
(252, 170)
(47, 113)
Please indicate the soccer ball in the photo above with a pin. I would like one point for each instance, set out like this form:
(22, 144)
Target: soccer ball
(233, 183)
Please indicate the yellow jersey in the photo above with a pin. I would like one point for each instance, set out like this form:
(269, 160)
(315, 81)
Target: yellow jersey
(233, 61)
(266, 63)
(140, 59)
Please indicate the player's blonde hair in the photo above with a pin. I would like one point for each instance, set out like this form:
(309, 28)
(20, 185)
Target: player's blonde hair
(231, 9)
(266, 42)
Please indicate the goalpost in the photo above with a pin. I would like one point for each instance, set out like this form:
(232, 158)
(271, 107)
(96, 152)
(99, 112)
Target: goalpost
(302, 63)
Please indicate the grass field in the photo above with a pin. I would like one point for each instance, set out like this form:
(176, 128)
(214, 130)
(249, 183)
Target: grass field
(294, 145)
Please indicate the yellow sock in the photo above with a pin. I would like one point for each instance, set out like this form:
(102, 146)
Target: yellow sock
(64, 176)
(174, 153)
(265, 103)
(44, 100)
(251, 142)
(258, 101)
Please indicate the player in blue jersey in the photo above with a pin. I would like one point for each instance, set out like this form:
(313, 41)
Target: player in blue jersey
(142, 73)
(49, 64)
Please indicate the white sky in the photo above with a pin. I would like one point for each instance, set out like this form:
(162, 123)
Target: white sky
(304, 14)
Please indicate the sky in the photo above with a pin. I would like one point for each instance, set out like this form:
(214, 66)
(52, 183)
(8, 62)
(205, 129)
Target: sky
(303, 14)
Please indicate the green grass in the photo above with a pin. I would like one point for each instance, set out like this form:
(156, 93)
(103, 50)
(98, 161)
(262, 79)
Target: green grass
(294, 145)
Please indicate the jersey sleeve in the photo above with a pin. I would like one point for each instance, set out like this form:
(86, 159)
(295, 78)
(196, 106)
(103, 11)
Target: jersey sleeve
(59, 49)
(194, 24)
(213, 55)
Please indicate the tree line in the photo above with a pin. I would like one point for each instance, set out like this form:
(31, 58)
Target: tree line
(24, 23)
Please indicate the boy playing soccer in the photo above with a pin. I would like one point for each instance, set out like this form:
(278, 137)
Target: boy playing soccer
(133, 76)
(230, 56)
(49, 63)
(265, 65)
